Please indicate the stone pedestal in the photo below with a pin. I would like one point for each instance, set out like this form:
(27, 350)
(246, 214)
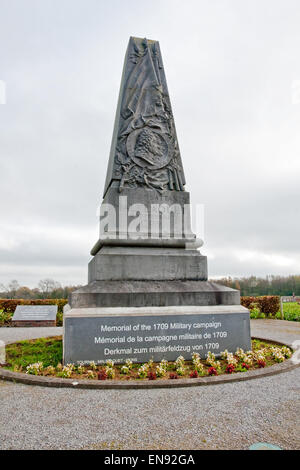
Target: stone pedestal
(118, 263)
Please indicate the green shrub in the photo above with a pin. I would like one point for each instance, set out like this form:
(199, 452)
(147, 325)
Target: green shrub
(255, 311)
(5, 318)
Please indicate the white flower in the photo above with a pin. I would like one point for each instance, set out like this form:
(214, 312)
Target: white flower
(124, 369)
(211, 359)
(240, 353)
(128, 363)
(231, 359)
(164, 364)
(143, 371)
(34, 369)
(248, 360)
(179, 362)
(110, 372)
(67, 371)
(180, 370)
(91, 374)
(195, 356)
(224, 354)
(80, 369)
(198, 366)
(286, 351)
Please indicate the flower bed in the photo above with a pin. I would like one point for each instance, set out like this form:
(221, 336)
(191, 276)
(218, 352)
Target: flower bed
(43, 357)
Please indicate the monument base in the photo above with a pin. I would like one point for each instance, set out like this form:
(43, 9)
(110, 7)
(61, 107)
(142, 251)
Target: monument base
(152, 293)
(117, 263)
(141, 334)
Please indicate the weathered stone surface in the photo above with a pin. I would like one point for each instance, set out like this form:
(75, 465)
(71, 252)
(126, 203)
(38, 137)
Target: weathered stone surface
(152, 293)
(140, 334)
(141, 263)
(167, 217)
(35, 315)
(144, 150)
(145, 167)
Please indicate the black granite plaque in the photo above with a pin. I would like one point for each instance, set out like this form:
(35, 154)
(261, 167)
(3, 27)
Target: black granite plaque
(143, 337)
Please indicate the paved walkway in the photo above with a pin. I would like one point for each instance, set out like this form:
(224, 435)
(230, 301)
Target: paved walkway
(11, 335)
(279, 330)
(226, 416)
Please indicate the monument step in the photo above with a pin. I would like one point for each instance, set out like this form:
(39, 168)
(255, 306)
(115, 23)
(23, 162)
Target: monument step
(157, 264)
(153, 293)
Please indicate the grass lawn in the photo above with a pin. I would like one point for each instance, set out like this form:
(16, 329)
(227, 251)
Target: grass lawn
(291, 311)
(45, 350)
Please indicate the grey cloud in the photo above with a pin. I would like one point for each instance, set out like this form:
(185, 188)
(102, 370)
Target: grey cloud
(230, 68)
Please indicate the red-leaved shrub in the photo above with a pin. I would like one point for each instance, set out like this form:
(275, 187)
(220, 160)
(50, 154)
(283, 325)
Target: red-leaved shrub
(151, 375)
(212, 371)
(102, 375)
(261, 363)
(194, 374)
(173, 375)
(229, 369)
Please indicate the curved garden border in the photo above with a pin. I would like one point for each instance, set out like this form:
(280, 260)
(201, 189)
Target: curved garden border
(23, 378)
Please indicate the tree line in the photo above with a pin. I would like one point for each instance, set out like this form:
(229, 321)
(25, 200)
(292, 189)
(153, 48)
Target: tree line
(253, 286)
(46, 289)
(269, 285)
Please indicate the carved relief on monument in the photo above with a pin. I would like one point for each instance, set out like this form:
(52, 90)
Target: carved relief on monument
(147, 151)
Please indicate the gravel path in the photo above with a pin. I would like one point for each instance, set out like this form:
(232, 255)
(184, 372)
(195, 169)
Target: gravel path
(231, 416)
(226, 416)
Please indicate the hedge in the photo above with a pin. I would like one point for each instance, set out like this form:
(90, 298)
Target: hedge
(8, 306)
(267, 304)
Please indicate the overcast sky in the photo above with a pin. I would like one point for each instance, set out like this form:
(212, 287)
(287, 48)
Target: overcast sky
(233, 72)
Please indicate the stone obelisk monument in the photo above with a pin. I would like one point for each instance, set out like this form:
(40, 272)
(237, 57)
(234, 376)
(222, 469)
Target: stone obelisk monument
(147, 294)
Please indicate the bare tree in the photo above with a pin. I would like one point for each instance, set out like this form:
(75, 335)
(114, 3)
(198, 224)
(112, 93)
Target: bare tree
(12, 288)
(46, 286)
(2, 288)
